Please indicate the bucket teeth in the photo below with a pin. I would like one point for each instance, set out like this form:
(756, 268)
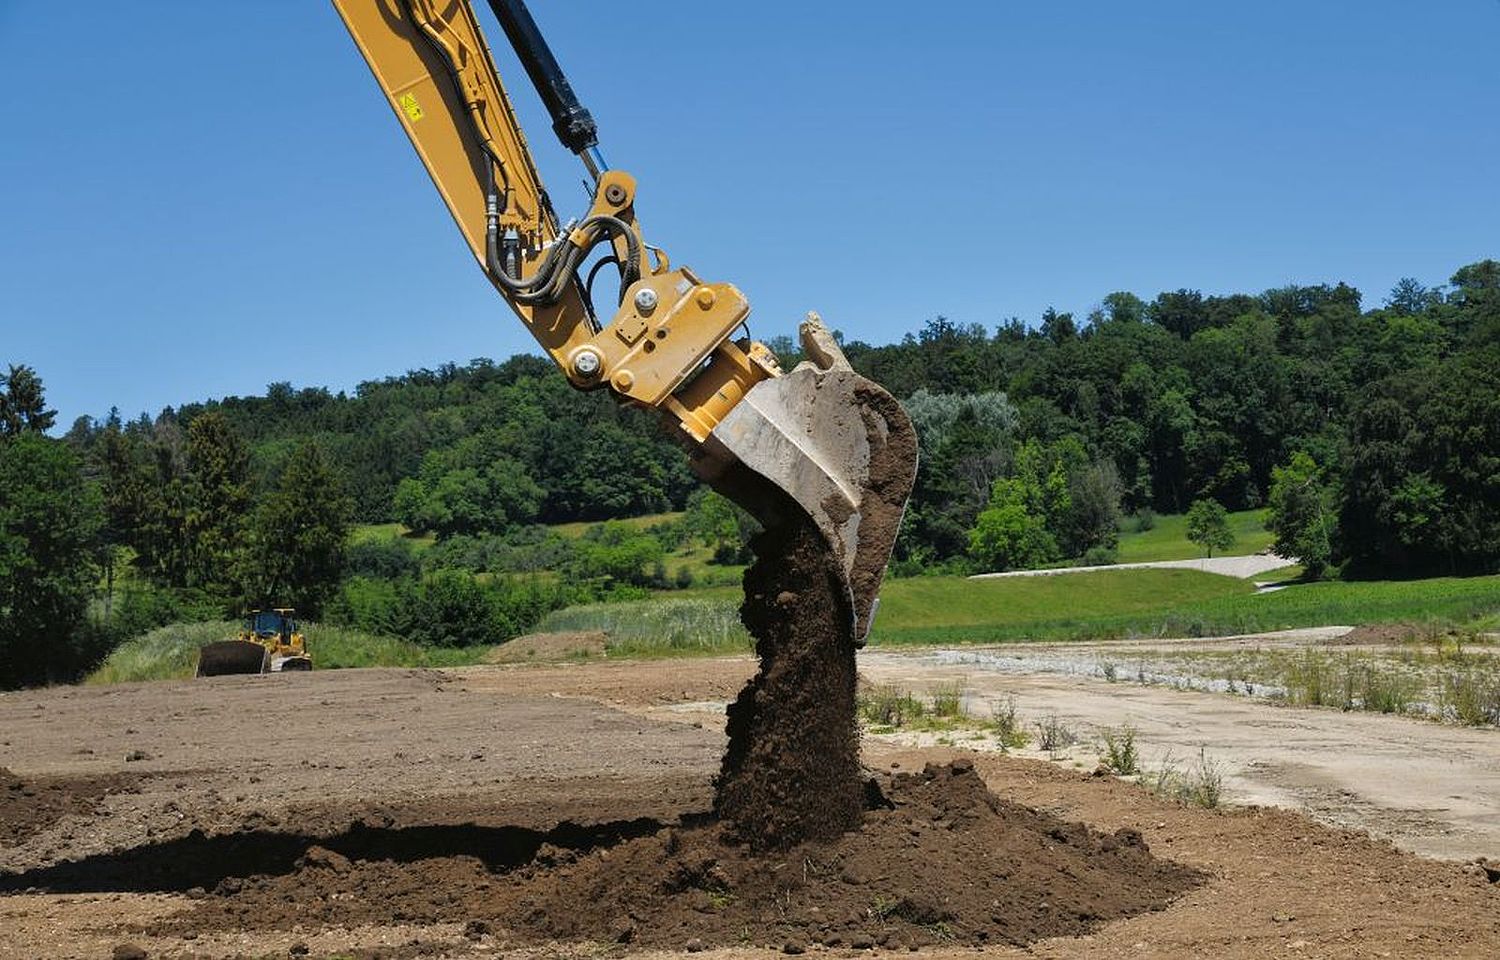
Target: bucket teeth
(835, 444)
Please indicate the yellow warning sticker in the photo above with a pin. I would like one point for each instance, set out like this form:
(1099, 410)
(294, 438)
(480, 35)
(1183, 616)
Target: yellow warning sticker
(410, 106)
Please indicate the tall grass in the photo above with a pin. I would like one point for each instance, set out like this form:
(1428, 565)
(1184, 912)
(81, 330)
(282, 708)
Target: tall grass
(1451, 677)
(1470, 695)
(163, 654)
(1350, 681)
(665, 626)
(171, 652)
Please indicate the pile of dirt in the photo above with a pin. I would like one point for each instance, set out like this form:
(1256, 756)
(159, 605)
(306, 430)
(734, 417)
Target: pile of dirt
(791, 770)
(549, 647)
(939, 859)
(1381, 634)
(32, 805)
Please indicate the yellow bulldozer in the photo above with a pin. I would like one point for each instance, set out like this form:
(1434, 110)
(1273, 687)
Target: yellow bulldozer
(271, 642)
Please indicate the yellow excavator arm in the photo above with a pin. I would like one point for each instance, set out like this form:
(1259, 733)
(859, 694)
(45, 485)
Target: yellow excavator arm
(431, 59)
(768, 440)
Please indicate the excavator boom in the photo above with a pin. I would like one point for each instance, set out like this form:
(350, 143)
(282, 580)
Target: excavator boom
(821, 441)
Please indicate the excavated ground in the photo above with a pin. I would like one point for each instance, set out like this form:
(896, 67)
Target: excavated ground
(940, 860)
(467, 814)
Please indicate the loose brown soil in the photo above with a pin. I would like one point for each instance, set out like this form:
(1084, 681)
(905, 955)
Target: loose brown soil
(941, 860)
(36, 803)
(427, 781)
(893, 471)
(791, 771)
(1381, 634)
(551, 647)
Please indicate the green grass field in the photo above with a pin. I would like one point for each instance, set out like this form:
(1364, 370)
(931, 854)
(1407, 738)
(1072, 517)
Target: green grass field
(955, 604)
(1162, 603)
(366, 532)
(575, 530)
(1152, 603)
(1168, 539)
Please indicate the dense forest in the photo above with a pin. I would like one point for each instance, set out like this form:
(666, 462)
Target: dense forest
(1373, 435)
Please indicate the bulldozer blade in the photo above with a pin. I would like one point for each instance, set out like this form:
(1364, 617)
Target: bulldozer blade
(837, 445)
(232, 656)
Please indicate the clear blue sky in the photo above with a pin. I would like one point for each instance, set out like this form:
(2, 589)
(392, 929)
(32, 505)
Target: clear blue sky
(205, 197)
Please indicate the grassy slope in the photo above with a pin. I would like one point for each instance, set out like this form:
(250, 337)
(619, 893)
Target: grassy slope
(925, 602)
(1168, 539)
(365, 532)
(575, 530)
(663, 626)
(1110, 603)
(1123, 603)
(171, 652)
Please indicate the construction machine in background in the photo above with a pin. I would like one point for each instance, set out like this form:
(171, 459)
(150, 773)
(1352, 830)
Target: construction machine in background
(813, 442)
(270, 642)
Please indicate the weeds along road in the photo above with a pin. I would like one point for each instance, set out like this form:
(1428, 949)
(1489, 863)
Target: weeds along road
(1430, 788)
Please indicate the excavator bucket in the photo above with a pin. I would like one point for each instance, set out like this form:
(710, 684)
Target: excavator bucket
(836, 445)
(232, 656)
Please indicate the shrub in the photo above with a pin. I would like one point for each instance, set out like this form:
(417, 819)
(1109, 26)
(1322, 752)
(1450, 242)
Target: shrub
(948, 700)
(1120, 755)
(1054, 735)
(1006, 724)
(1100, 556)
(389, 558)
(450, 608)
(890, 706)
(616, 551)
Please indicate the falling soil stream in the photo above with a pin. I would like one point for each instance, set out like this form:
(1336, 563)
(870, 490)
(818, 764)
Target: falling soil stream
(791, 771)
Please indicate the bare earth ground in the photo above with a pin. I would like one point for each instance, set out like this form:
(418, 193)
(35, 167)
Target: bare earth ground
(238, 775)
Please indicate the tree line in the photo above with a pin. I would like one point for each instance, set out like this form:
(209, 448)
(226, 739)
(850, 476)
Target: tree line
(1371, 434)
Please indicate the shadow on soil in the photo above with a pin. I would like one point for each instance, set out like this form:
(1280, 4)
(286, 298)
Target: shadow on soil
(200, 861)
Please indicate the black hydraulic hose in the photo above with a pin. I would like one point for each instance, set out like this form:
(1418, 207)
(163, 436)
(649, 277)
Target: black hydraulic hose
(562, 262)
(588, 285)
(492, 247)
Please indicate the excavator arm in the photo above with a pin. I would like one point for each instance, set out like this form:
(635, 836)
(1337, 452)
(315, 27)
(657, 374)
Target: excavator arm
(805, 441)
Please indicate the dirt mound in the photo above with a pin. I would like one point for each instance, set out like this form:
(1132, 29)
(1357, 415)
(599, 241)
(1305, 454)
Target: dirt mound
(29, 806)
(545, 647)
(1381, 634)
(939, 859)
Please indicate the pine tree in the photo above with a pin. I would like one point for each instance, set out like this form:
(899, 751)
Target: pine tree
(300, 531)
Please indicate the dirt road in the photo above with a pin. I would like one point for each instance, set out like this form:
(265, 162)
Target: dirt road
(251, 804)
(1251, 565)
(1428, 788)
